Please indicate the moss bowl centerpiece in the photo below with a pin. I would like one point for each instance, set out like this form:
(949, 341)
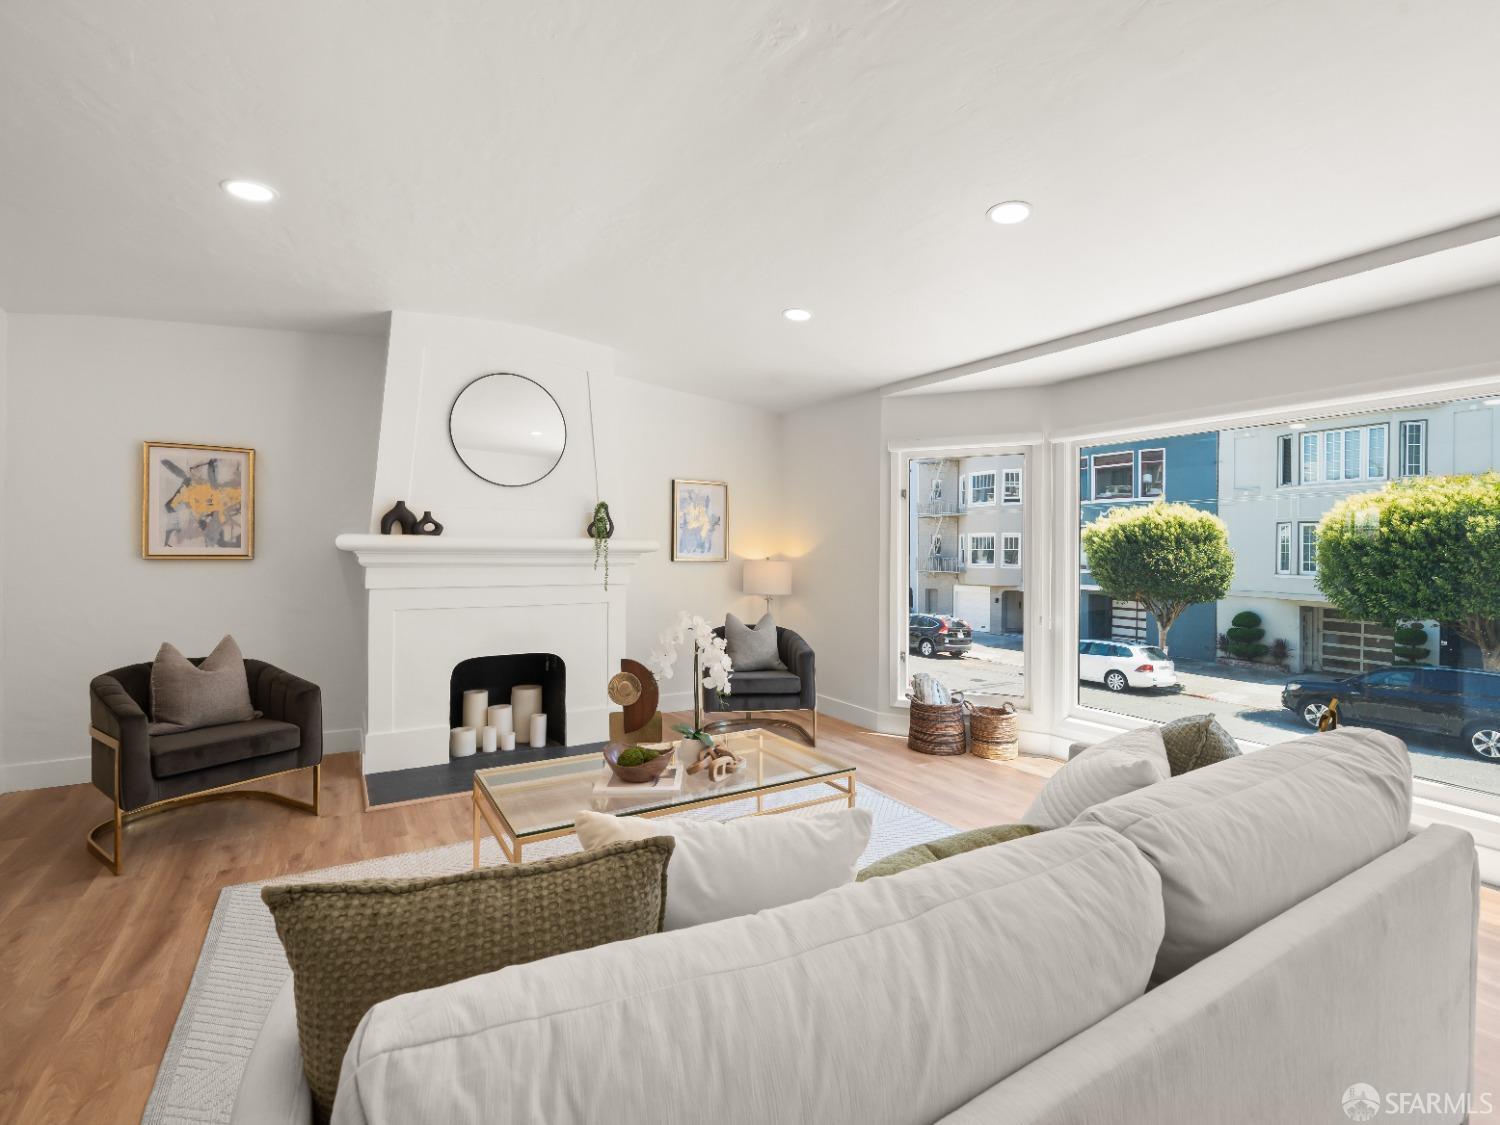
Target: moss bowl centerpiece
(638, 764)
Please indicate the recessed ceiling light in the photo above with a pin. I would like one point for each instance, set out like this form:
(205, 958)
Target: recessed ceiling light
(536, 433)
(1011, 211)
(798, 315)
(249, 191)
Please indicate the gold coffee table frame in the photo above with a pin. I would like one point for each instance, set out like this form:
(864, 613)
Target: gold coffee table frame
(761, 745)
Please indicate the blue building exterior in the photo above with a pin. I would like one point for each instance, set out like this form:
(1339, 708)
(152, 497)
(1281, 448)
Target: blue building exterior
(1183, 469)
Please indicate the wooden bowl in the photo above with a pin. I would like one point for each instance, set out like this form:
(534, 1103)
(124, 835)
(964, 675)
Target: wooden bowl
(647, 771)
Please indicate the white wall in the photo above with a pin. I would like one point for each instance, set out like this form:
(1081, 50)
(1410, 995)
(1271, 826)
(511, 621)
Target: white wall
(79, 599)
(4, 447)
(647, 435)
(840, 494)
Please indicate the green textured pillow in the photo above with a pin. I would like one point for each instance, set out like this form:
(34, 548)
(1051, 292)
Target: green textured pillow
(1195, 741)
(919, 854)
(352, 945)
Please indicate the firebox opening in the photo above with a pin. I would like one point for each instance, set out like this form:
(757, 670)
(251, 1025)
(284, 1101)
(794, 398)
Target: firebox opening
(498, 674)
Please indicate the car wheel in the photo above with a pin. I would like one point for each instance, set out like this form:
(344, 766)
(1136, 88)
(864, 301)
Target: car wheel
(1484, 739)
(925, 648)
(1312, 713)
(1115, 680)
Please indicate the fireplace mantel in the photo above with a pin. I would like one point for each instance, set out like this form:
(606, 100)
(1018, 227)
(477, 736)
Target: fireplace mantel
(437, 600)
(393, 561)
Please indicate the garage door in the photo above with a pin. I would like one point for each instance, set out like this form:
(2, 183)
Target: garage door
(1353, 646)
(1127, 622)
(972, 604)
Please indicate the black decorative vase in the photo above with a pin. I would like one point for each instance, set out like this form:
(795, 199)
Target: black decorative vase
(399, 518)
(428, 526)
(609, 532)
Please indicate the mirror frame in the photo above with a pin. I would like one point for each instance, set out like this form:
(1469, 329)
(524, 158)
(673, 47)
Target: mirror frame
(513, 375)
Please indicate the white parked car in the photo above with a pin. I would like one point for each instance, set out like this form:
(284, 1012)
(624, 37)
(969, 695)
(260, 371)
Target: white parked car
(1118, 665)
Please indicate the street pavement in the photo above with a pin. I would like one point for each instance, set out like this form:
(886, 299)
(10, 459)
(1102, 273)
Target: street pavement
(1247, 703)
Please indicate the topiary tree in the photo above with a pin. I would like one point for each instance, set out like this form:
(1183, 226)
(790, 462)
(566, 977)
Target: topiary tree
(1165, 556)
(1244, 636)
(1411, 644)
(1419, 549)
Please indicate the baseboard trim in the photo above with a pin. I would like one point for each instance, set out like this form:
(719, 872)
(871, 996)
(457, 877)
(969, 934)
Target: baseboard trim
(16, 776)
(860, 716)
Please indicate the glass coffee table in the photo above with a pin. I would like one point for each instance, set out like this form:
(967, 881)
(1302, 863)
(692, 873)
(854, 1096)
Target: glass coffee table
(529, 803)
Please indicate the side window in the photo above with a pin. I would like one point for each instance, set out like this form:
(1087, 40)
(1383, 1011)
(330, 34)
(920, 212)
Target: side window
(1443, 681)
(1393, 678)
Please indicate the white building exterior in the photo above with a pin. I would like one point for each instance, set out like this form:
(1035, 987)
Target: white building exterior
(966, 550)
(1277, 482)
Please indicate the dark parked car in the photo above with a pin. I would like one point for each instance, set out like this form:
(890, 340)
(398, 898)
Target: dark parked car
(1454, 702)
(932, 633)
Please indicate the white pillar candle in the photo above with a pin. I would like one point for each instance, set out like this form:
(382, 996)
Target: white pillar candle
(499, 716)
(461, 742)
(525, 701)
(476, 701)
(539, 730)
(507, 740)
(487, 740)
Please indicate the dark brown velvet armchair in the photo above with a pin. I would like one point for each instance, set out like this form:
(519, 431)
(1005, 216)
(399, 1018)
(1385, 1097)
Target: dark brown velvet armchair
(145, 774)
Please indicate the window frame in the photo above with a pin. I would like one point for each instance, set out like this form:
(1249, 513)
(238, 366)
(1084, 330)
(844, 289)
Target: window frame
(969, 501)
(1006, 537)
(1419, 427)
(1285, 547)
(1330, 461)
(1005, 500)
(1140, 474)
(1135, 478)
(1303, 526)
(971, 549)
(1286, 460)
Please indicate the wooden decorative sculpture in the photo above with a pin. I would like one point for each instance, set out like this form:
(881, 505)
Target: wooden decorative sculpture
(718, 760)
(635, 689)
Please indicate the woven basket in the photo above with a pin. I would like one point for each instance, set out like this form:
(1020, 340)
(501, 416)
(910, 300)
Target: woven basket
(938, 728)
(992, 733)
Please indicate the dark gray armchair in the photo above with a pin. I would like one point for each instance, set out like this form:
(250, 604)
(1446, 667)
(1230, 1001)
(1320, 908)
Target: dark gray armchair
(794, 689)
(145, 774)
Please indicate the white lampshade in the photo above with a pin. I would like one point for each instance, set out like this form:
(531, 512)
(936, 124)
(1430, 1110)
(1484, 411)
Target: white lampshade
(768, 578)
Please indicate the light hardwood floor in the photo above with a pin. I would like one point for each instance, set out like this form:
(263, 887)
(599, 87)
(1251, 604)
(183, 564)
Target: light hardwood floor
(94, 967)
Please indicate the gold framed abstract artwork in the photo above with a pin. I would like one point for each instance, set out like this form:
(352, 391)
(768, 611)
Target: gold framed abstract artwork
(700, 521)
(197, 501)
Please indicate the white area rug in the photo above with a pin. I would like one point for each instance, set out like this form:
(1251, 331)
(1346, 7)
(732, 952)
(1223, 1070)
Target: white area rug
(242, 967)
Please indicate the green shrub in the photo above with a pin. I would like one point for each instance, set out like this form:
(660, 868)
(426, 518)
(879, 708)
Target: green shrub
(1243, 635)
(1248, 651)
(1246, 619)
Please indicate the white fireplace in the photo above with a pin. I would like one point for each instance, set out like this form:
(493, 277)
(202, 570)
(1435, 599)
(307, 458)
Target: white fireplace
(436, 601)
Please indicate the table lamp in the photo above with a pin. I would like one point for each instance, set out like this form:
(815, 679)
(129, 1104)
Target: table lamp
(767, 578)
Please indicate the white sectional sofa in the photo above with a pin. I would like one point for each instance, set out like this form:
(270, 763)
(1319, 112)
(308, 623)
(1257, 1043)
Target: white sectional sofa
(1242, 943)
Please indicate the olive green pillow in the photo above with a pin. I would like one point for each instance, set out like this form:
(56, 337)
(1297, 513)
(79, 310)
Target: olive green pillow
(916, 856)
(352, 945)
(1195, 741)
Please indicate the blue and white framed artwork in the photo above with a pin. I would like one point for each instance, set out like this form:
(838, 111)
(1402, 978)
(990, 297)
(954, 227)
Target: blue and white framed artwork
(700, 521)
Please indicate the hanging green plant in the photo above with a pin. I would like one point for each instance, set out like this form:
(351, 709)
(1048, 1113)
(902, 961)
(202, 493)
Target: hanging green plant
(601, 527)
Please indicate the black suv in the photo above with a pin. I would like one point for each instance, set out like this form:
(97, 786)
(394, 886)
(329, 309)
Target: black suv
(932, 633)
(1454, 702)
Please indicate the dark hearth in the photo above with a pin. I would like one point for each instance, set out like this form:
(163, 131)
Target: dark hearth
(498, 674)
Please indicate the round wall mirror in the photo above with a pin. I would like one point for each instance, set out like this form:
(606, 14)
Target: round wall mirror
(507, 429)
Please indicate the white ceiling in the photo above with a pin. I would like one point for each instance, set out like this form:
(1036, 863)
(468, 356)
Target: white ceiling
(665, 178)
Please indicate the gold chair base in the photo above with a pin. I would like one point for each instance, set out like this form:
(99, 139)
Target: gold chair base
(123, 817)
(721, 726)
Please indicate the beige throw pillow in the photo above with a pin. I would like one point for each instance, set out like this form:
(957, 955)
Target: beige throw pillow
(184, 697)
(352, 945)
(1119, 765)
(1195, 741)
(725, 868)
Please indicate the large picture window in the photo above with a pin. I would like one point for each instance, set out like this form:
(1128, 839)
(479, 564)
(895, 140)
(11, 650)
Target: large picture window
(1287, 636)
(981, 550)
(981, 488)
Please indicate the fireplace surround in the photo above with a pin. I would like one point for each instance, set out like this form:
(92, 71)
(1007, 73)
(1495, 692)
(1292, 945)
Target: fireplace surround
(435, 602)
